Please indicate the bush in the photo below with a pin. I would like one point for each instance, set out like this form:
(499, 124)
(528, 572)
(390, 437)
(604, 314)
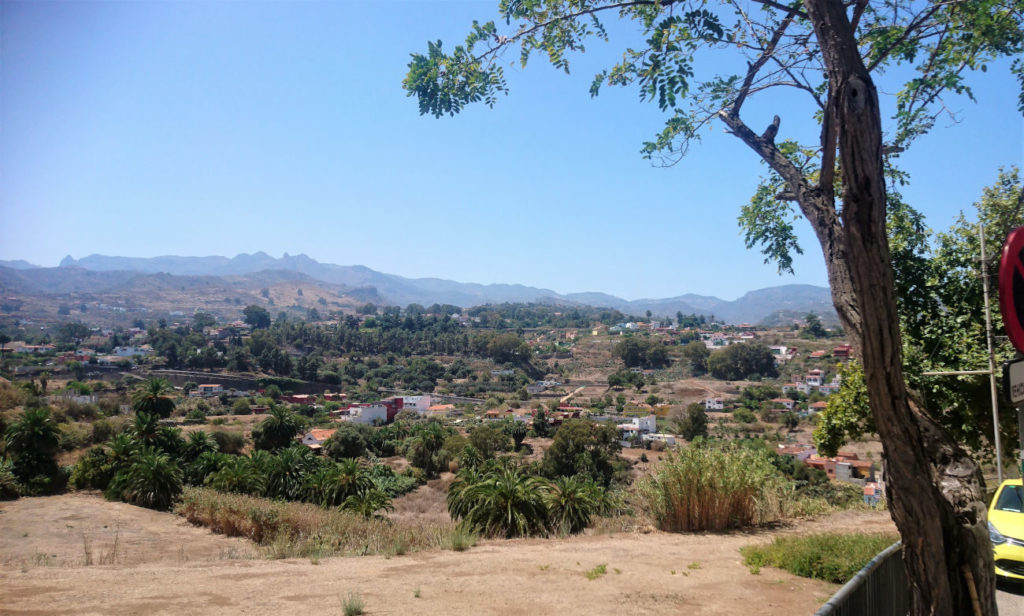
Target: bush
(93, 471)
(229, 442)
(744, 416)
(74, 436)
(714, 487)
(105, 429)
(241, 407)
(9, 488)
(833, 557)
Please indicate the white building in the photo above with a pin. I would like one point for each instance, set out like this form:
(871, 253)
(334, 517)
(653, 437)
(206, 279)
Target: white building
(714, 404)
(646, 424)
(420, 404)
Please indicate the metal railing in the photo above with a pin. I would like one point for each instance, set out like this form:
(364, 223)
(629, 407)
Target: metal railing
(881, 588)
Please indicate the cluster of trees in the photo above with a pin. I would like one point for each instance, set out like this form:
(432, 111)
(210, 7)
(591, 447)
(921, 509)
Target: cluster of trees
(642, 352)
(267, 348)
(745, 360)
(518, 315)
(561, 493)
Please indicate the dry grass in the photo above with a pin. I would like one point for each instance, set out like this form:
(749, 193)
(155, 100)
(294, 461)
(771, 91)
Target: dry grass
(301, 530)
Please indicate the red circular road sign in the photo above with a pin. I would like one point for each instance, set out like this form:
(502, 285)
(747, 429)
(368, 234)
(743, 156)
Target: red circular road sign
(1011, 287)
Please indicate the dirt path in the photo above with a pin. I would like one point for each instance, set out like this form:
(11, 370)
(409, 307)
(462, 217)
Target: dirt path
(654, 573)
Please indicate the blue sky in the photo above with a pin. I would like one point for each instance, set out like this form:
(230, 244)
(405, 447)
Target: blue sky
(194, 128)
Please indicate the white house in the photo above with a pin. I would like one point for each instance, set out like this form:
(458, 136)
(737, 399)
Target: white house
(420, 404)
(646, 424)
(314, 439)
(369, 414)
(815, 378)
(714, 404)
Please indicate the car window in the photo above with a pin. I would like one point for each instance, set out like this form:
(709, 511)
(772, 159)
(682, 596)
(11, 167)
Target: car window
(1011, 499)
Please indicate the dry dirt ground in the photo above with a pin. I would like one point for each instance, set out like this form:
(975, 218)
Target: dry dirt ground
(162, 565)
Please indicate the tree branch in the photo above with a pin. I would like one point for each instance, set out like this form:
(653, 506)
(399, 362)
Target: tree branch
(815, 206)
(753, 69)
(790, 11)
(504, 41)
(911, 27)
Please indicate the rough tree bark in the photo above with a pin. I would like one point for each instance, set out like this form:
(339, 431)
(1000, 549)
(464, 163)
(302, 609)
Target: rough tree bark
(935, 490)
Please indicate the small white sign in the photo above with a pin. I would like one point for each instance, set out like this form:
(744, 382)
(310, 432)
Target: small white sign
(1014, 376)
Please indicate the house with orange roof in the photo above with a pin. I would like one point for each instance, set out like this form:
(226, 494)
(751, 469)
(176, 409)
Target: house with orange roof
(314, 439)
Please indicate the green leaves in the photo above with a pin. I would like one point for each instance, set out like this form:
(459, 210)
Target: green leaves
(767, 222)
(444, 84)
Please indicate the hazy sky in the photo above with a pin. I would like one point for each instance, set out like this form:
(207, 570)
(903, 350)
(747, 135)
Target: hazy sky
(195, 128)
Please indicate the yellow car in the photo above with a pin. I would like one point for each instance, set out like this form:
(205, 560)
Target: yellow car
(1006, 529)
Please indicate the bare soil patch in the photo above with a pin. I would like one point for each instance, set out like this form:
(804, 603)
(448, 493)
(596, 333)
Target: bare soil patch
(655, 573)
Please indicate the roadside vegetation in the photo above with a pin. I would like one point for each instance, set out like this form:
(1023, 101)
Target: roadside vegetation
(833, 557)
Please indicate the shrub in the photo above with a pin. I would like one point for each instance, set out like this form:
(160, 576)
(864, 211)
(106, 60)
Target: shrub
(228, 442)
(74, 436)
(744, 416)
(93, 471)
(353, 605)
(833, 557)
(713, 487)
(241, 407)
(348, 441)
(9, 488)
(104, 429)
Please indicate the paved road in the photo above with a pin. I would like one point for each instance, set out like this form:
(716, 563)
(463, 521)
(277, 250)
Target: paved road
(1010, 598)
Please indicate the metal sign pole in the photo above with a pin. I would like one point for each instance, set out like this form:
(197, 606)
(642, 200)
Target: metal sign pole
(991, 357)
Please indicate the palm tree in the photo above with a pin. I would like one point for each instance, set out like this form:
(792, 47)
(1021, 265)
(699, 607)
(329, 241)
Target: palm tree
(518, 434)
(198, 443)
(146, 428)
(206, 464)
(32, 442)
(571, 501)
(153, 398)
(286, 472)
(152, 481)
(121, 450)
(236, 474)
(34, 433)
(331, 484)
(368, 502)
(277, 430)
(507, 502)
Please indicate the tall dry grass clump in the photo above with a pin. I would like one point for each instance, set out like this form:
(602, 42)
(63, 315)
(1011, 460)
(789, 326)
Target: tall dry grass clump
(301, 530)
(714, 487)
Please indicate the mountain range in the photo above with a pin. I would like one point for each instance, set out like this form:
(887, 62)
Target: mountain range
(101, 273)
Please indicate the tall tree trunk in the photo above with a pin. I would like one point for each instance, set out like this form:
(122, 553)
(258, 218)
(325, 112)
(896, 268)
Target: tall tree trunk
(935, 490)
